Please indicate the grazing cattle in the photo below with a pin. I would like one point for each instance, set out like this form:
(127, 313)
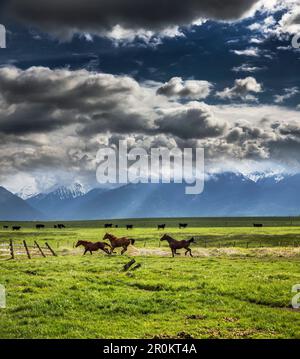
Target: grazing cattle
(116, 226)
(118, 242)
(183, 225)
(5, 227)
(93, 247)
(257, 225)
(108, 225)
(174, 245)
(55, 226)
(161, 226)
(16, 228)
(60, 226)
(129, 226)
(40, 226)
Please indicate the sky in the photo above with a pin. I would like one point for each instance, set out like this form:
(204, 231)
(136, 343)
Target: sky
(80, 75)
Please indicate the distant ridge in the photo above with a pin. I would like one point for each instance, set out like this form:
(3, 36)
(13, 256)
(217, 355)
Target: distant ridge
(226, 194)
(13, 208)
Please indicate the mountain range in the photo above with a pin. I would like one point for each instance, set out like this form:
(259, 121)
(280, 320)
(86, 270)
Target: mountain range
(226, 194)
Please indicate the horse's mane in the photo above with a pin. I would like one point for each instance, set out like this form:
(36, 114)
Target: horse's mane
(110, 236)
(166, 236)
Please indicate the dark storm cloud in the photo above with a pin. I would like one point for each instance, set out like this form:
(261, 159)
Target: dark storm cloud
(43, 100)
(102, 15)
(82, 108)
(194, 120)
(33, 119)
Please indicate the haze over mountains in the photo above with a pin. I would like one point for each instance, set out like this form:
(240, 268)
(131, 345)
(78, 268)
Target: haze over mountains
(226, 194)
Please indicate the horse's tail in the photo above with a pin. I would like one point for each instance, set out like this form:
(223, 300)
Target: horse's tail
(132, 241)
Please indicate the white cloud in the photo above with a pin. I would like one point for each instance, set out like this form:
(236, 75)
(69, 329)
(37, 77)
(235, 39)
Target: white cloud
(288, 93)
(242, 89)
(191, 89)
(247, 68)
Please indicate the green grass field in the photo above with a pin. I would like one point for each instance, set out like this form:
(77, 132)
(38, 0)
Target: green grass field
(238, 285)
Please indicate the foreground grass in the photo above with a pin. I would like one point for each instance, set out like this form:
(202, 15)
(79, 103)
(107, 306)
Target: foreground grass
(89, 297)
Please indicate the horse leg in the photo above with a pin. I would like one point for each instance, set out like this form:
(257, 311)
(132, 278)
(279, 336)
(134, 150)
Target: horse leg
(85, 252)
(124, 250)
(173, 251)
(91, 252)
(190, 251)
(113, 250)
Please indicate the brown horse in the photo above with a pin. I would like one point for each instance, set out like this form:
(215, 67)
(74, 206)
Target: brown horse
(174, 245)
(93, 247)
(118, 242)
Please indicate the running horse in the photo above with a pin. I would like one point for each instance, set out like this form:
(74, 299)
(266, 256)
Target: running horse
(118, 242)
(174, 245)
(93, 247)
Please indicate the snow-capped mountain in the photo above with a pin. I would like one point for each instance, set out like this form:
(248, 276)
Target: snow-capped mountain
(61, 192)
(58, 199)
(226, 194)
(68, 192)
(27, 192)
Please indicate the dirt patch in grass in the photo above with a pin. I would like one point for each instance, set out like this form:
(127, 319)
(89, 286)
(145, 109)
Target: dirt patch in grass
(221, 252)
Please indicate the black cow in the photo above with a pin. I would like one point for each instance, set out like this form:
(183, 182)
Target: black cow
(16, 228)
(108, 225)
(257, 225)
(161, 226)
(183, 225)
(40, 226)
(129, 226)
(55, 226)
(60, 226)
(5, 227)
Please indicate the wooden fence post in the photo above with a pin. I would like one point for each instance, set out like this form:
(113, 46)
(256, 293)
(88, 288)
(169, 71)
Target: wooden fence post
(51, 250)
(11, 247)
(136, 267)
(40, 249)
(128, 265)
(27, 250)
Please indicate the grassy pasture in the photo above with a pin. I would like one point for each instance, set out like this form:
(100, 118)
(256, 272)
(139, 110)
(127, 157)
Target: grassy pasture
(226, 292)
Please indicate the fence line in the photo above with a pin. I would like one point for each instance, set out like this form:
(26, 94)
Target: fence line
(13, 249)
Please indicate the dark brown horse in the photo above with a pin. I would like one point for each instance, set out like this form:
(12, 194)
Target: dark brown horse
(118, 242)
(174, 245)
(93, 247)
